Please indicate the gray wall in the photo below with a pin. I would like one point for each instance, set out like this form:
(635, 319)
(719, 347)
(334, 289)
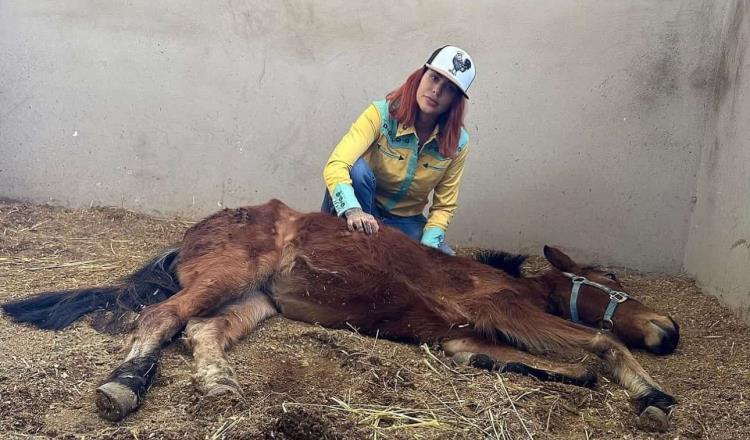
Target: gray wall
(587, 117)
(718, 251)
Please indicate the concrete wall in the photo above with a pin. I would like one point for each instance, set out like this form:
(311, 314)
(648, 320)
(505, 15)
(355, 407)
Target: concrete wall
(587, 117)
(718, 251)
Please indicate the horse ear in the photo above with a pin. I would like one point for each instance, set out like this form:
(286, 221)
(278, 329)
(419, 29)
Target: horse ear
(559, 259)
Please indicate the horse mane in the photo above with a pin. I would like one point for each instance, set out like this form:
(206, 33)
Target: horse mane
(507, 262)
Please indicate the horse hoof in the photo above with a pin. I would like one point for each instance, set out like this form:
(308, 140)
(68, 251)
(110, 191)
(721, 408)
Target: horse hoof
(222, 389)
(653, 419)
(222, 386)
(477, 360)
(462, 358)
(115, 401)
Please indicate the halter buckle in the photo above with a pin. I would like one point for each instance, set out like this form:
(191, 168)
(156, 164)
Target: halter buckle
(606, 325)
(620, 297)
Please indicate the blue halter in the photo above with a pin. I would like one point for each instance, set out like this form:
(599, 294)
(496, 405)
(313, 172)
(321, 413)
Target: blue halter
(616, 298)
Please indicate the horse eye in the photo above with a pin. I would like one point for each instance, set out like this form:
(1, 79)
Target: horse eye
(611, 276)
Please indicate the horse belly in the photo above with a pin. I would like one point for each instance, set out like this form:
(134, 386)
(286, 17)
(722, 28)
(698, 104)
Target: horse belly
(320, 300)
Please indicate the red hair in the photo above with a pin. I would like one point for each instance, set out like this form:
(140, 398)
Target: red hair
(404, 109)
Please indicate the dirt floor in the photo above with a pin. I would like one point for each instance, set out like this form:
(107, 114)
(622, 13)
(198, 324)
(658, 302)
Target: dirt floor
(301, 381)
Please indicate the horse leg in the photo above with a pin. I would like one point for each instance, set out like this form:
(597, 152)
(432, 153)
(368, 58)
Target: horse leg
(529, 327)
(209, 339)
(507, 359)
(125, 388)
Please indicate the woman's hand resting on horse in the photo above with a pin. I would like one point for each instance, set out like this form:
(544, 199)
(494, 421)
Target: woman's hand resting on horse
(358, 220)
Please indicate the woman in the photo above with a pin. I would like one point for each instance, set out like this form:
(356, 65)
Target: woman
(402, 149)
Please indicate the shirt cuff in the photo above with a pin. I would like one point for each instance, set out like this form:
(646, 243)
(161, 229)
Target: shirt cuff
(343, 198)
(433, 236)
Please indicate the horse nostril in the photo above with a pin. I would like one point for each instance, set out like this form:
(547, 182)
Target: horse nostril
(668, 336)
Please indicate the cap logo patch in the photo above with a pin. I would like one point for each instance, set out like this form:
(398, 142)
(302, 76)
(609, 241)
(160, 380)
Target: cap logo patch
(460, 64)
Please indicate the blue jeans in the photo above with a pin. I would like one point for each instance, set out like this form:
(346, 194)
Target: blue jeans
(364, 184)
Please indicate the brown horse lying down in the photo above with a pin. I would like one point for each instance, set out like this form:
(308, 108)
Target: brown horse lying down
(240, 266)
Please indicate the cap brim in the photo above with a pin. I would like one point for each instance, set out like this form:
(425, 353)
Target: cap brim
(448, 76)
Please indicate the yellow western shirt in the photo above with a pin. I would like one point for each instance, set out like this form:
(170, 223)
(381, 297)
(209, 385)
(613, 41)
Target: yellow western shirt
(405, 171)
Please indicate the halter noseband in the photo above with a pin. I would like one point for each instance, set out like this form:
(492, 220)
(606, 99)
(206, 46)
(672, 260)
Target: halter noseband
(616, 297)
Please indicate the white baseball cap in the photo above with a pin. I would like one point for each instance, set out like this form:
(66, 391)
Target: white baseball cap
(455, 64)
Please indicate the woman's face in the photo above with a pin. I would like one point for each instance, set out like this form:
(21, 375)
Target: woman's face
(435, 93)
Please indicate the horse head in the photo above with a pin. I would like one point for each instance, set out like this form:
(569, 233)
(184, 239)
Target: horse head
(594, 297)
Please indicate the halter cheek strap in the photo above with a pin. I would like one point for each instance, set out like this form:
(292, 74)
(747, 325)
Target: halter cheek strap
(614, 301)
(616, 297)
(577, 281)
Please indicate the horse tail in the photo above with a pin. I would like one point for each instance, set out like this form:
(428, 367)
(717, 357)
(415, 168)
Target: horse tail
(118, 304)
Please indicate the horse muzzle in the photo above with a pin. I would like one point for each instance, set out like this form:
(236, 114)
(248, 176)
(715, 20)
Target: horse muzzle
(663, 336)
